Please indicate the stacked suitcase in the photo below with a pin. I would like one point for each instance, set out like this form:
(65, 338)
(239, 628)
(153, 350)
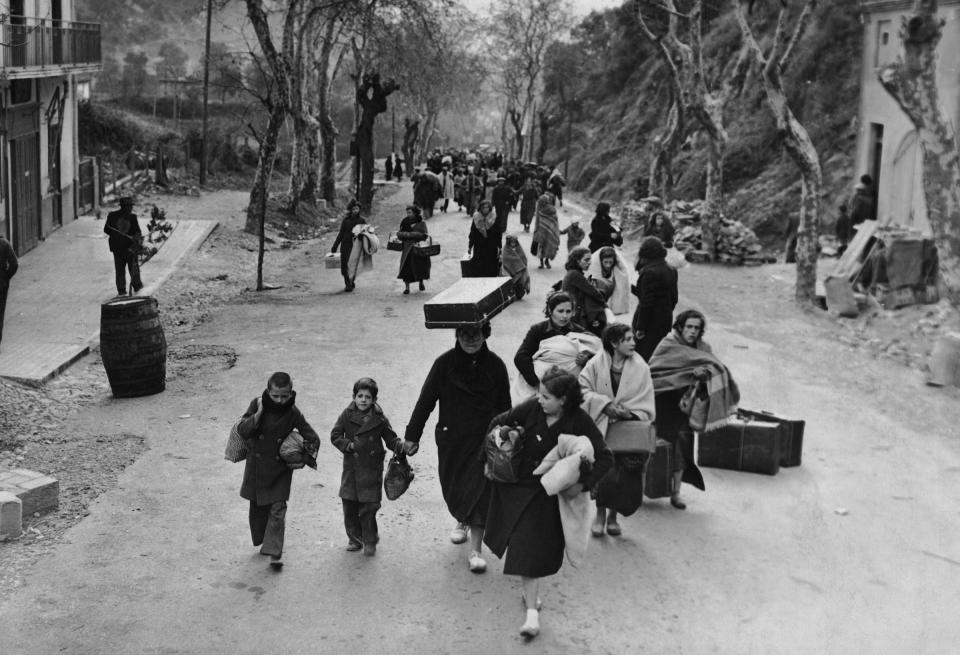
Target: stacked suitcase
(469, 302)
(753, 442)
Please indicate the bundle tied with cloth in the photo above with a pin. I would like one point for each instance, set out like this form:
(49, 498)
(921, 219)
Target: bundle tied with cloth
(365, 244)
(560, 351)
(560, 475)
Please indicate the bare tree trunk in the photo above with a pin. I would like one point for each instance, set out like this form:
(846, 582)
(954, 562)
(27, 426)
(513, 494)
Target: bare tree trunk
(913, 85)
(546, 122)
(411, 136)
(372, 98)
(328, 130)
(664, 147)
(257, 208)
(516, 119)
(795, 137)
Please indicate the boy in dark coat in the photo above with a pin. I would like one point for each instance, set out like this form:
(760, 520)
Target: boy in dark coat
(266, 477)
(359, 433)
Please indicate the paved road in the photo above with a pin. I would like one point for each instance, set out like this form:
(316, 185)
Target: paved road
(757, 564)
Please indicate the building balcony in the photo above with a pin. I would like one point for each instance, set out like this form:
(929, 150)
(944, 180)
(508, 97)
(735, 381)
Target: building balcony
(40, 47)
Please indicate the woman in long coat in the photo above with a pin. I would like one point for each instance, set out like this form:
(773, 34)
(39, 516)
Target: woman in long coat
(471, 384)
(589, 301)
(344, 241)
(602, 231)
(656, 290)
(528, 202)
(413, 267)
(484, 242)
(546, 231)
(523, 521)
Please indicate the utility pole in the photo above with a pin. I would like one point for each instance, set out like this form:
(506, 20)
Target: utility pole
(393, 129)
(566, 160)
(206, 90)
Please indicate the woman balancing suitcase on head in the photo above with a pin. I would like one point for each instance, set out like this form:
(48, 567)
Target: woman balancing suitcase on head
(683, 360)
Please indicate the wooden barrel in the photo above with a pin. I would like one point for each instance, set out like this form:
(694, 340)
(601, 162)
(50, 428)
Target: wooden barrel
(945, 361)
(132, 346)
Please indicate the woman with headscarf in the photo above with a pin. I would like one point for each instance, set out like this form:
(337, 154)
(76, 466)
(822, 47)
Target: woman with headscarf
(532, 528)
(681, 360)
(546, 231)
(608, 264)
(483, 244)
(602, 230)
(656, 290)
(413, 267)
(589, 301)
(514, 261)
(344, 241)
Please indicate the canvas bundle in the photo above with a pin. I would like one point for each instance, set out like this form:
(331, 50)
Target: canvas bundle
(503, 448)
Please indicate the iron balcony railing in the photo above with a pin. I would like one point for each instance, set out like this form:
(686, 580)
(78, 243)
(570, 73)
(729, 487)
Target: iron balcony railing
(40, 42)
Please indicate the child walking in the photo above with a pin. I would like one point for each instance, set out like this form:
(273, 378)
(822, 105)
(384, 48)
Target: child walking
(266, 478)
(360, 433)
(575, 234)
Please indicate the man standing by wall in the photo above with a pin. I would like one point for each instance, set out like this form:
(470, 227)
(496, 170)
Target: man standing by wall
(8, 268)
(124, 235)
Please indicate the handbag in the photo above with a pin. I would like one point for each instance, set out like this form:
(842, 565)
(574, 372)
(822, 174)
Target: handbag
(393, 243)
(428, 250)
(631, 437)
(621, 489)
(534, 247)
(502, 448)
(398, 477)
(236, 449)
(694, 405)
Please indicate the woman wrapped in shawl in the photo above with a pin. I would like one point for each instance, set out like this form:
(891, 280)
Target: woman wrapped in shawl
(546, 231)
(484, 242)
(681, 360)
(608, 263)
(515, 265)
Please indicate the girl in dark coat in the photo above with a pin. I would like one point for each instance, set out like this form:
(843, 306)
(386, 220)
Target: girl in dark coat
(484, 242)
(471, 385)
(266, 478)
(589, 301)
(559, 313)
(360, 432)
(528, 202)
(523, 521)
(656, 289)
(602, 231)
(660, 226)
(413, 267)
(344, 241)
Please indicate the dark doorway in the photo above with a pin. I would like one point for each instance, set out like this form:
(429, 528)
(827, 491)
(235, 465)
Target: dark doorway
(876, 159)
(25, 191)
(56, 16)
(18, 34)
(53, 163)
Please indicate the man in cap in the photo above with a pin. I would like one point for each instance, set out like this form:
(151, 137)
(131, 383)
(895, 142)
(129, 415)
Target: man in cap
(124, 237)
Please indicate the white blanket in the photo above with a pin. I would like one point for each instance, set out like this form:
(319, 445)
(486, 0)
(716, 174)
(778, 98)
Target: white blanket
(562, 351)
(635, 392)
(559, 471)
(619, 302)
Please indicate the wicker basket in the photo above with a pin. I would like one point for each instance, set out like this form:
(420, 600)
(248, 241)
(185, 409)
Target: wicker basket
(427, 248)
(393, 243)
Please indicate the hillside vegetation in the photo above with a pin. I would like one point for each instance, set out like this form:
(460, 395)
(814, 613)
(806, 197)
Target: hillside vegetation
(624, 100)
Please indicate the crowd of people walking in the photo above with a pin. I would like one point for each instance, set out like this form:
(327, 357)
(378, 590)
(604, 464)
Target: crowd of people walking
(519, 464)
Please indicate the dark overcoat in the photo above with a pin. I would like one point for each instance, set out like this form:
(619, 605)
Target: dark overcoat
(266, 477)
(122, 229)
(344, 240)
(413, 267)
(471, 389)
(656, 290)
(485, 248)
(362, 477)
(523, 520)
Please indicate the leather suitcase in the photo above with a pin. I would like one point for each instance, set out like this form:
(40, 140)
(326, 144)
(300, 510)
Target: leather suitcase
(791, 438)
(750, 446)
(470, 301)
(658, 478)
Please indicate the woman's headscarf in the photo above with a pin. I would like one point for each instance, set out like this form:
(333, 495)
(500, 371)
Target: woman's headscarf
(482, 221)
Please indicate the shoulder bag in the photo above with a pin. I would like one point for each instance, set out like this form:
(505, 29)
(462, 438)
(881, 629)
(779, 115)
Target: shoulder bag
(631, 437)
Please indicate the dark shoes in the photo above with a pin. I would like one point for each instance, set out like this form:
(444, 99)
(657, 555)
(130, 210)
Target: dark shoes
(422, 288)
(369, 549)
(354, 546)
(406, 291)
(676, 502)
(276, 562)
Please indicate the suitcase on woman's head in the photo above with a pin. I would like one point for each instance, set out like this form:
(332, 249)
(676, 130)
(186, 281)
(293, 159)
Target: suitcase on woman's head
(469, 302)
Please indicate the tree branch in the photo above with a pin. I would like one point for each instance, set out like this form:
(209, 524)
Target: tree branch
(802, 23)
